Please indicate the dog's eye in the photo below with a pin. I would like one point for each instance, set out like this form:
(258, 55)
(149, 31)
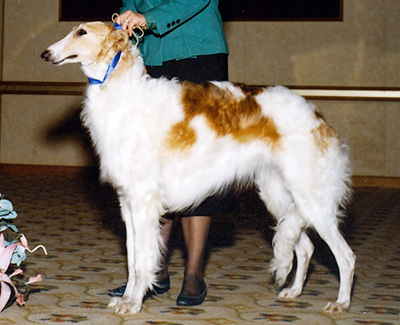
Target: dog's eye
(81, 32)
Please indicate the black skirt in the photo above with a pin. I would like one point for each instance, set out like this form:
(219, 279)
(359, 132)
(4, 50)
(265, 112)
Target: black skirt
(199, 69)
(213, 205)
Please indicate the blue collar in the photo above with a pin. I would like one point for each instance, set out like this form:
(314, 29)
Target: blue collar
(111, 66)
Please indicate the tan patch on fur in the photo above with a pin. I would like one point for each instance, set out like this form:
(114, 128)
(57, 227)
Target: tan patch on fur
(324, 134)
(107, 44)
(225, 114)
(116, 40)
(249, 90)
(181, 135)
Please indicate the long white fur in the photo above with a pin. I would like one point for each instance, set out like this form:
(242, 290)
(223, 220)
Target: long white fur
(129, 118)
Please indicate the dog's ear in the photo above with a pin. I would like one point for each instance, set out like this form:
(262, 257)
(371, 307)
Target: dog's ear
(120, 39)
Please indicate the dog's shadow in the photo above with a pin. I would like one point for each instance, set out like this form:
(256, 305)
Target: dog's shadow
(69, 128)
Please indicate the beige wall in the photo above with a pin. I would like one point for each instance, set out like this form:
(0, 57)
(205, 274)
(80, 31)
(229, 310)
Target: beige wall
(363, 50)
(1, 37)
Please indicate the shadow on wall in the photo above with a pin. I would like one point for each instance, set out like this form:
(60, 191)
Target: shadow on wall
(69, 129)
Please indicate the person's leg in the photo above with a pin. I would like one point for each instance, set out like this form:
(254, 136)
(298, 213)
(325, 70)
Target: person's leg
(195, 231)
(165, 232)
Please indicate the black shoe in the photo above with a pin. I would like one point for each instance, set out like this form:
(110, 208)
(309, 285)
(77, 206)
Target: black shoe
(193, 300)
(117, 292)
(161, 287)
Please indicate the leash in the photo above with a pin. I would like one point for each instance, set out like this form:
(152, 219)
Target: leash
(115, 60)
(136, 36)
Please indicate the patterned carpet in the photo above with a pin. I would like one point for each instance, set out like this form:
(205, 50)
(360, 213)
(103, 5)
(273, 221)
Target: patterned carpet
(78, 221)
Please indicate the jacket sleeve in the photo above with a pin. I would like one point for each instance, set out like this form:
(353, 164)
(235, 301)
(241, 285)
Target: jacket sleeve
(172, 13)
(128, 5)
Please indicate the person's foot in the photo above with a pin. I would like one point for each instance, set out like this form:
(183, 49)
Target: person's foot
(193, 292)
(117, 292)
(161, 287)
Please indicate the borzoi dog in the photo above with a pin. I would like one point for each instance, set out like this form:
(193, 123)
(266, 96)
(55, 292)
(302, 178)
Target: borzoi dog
(166, 145)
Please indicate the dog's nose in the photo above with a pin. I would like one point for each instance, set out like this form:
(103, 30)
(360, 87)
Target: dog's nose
(45, 55)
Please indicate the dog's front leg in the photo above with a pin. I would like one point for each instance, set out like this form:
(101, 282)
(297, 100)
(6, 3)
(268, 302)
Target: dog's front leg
(143, 249)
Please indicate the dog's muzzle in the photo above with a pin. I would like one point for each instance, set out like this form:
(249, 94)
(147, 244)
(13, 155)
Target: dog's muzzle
(48, 57)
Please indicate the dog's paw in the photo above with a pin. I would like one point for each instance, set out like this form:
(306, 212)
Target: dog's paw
(113, 302)
(289, 293)
(337, 307)
(125, 307)
(281, 275)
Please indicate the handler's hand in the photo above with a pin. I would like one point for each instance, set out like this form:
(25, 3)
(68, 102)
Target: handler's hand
(129, 20)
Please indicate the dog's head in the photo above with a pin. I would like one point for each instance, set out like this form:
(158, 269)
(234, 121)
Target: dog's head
(89, 43)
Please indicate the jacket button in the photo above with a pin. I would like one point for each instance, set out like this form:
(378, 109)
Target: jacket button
(168, 25)
(178, 21)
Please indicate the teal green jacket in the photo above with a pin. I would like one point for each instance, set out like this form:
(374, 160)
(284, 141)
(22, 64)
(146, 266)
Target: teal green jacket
(179, 29)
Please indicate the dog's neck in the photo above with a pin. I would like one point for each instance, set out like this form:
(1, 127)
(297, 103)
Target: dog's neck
(130, 62)
(111, 67)
(95, 71)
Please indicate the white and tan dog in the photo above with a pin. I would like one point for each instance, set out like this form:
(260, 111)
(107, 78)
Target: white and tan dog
(166, 146)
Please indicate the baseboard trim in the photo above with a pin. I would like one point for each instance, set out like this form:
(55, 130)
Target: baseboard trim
(376, 181)
(71, 171)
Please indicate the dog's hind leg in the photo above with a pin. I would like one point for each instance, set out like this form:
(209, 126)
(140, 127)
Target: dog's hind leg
(143, 249)
(345, 259)
(287, 234)
(321, 213)
(304, 250)
(290, 224)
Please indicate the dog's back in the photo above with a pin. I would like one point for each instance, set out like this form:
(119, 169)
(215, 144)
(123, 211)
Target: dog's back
(211, 135)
